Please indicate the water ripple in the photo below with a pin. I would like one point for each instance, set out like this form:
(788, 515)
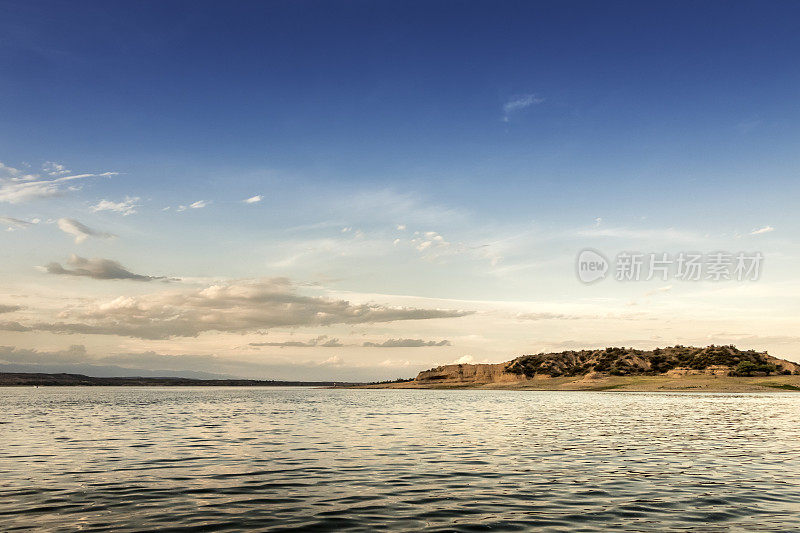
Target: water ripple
(221, 459)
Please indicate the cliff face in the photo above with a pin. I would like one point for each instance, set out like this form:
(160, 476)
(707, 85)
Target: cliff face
(482, 373)
(674, 360)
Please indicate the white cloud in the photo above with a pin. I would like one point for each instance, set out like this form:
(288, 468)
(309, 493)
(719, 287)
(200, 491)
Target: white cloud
(234, 307)
(253, 199)
(395, 363)
(334, 360)
(200, 204)
(668, 234)
(405, 343)
(759, 231)
(430, 242)
(548, 316)
(518, 103)
(127, 207)
(54, 169)
(17, 187)
(80, 231)
(15, 174)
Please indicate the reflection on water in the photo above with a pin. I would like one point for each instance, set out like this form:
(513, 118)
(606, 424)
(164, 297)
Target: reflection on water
(282, 459)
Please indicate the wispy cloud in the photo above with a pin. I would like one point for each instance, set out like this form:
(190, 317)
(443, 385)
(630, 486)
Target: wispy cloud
(759, 231)
(322, 341)
(80, 231)
(16, 223)
(200, 204)
(126, 207)
(548, 316)
(429, 241)
(253, 199)
(389, 206)
(96, 268)
(405, 343)
(51, 168)
(17, 186)
(518, 103)
(333, 361)
(667, 234)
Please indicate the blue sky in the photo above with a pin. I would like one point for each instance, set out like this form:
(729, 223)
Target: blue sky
(515, 132)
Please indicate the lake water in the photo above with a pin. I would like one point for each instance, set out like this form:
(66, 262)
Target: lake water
(284, 459)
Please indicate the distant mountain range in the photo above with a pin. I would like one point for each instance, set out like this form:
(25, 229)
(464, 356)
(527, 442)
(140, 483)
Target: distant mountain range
(106, 371)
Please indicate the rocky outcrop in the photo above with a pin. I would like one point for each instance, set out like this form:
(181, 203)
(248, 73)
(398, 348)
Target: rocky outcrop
(672, 361)
(482, 373)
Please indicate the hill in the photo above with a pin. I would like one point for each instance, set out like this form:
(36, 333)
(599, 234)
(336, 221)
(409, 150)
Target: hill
(672, 368)
(629, 361)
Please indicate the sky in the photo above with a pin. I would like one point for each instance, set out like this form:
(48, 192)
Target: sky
(363, 190)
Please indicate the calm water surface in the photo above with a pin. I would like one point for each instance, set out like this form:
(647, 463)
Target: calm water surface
(186, 459)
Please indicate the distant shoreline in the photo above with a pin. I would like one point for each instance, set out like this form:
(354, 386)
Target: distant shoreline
(28, 379)
(686, 383)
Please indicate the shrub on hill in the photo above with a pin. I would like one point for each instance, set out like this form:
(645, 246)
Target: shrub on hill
(749, 368)
(629, 361)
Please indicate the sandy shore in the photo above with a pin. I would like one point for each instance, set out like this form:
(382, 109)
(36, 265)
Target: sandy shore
(688, 383)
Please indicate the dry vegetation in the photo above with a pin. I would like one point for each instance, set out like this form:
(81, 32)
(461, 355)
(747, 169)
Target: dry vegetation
(630, 362)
